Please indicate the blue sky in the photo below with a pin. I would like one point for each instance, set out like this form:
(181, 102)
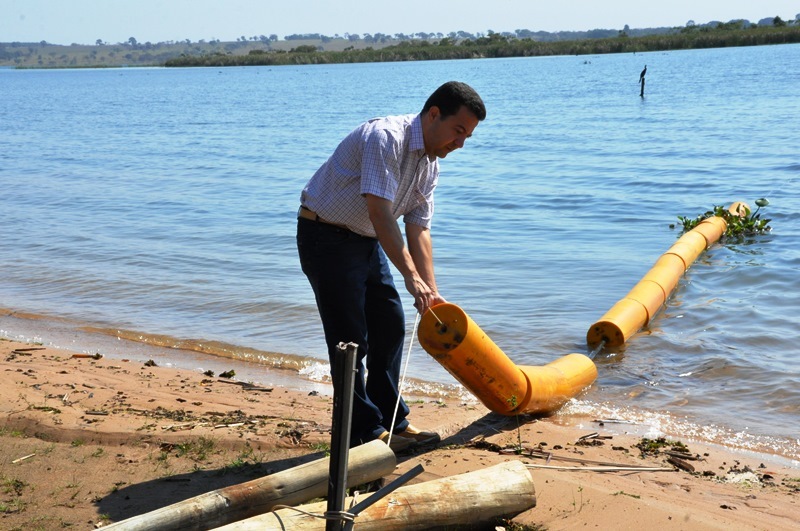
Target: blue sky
(112, 21)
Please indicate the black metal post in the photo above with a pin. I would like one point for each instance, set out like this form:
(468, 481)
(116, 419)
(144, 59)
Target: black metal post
(343, 371)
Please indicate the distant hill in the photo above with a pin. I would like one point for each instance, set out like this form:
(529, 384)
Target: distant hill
(269, 48)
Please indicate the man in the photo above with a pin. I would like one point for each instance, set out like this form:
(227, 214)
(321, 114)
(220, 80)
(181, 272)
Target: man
(347, 227)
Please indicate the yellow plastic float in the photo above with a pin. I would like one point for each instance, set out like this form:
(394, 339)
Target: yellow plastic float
(453, 339)
(638, 308)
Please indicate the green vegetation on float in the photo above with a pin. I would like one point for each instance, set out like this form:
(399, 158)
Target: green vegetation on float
(748, 224)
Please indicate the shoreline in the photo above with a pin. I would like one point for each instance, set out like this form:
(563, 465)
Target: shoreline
(88, 441)
(309, 374)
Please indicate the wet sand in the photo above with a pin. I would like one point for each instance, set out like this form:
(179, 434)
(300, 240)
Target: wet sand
(85, 442)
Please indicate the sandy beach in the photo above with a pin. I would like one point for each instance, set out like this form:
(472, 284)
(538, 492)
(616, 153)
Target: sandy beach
(87, 441)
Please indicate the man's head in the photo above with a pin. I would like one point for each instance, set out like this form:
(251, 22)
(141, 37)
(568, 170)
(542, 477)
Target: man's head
(449, 116)
(452, 95)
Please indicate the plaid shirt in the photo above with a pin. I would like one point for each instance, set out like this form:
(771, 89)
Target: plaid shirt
(384, 157)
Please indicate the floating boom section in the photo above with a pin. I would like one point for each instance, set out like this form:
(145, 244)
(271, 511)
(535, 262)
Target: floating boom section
(453, 339)
(638, 308)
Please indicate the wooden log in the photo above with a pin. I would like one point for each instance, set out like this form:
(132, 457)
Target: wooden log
(367, 462)
(474, 499)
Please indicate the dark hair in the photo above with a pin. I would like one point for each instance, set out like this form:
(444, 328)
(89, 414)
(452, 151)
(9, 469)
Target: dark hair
(451, 96)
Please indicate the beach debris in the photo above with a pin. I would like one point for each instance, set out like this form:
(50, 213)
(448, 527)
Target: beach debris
(621, 468)
(231, 425)
(23, 352)
(227, 374)
(655, 446)
(592, 439)
(481, 443)
(256, 388)
(150, 363)
(95, 356)
(294, 435)
(683, 455)
(246, 386)
(589, 465)
(23, 458)
(182, 427)
(743, 476)
(613, 421)
(792, 484)
(97, 412)
(680, 463)
(209, 373)
(48, 409)
(677, 454)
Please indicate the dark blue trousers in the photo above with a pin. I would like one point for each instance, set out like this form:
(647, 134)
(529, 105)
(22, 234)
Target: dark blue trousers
(358, 303)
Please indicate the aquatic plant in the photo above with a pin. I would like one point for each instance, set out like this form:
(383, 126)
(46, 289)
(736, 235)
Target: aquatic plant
(741, 222)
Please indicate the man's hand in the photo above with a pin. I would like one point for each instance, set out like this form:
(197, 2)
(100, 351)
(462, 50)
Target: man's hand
(434, 300)
(424, 296)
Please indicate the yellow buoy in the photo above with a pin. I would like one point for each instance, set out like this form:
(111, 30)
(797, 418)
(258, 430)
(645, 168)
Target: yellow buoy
(453, 339)
(640, 305)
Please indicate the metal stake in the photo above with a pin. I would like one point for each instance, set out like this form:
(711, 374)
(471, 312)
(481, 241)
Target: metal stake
(343, 371)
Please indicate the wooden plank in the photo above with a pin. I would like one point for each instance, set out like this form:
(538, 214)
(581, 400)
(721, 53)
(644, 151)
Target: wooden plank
(474, 499)
(297, 485)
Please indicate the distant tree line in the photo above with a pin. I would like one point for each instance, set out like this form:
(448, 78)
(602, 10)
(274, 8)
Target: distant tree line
(528, 34)
(353, 47)
(500, 45)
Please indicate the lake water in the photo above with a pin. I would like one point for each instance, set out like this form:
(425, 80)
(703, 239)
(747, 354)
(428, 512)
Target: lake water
(159, 205)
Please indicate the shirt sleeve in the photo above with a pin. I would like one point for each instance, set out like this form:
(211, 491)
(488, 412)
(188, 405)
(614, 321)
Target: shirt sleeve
(422, 215)
(380, 165)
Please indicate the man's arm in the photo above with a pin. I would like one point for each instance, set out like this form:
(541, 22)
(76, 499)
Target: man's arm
(391, 239)
(420, 246)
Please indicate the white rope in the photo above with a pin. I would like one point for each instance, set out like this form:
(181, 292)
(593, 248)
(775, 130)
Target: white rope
(403, 378)
(342, 516)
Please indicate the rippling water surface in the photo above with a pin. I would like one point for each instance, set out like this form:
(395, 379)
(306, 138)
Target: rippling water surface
(159, 205)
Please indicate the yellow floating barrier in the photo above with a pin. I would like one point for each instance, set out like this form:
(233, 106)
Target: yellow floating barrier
(666, 272)
(453, 339)
(688, 248)
(650, 295)
(711, 229)
(552, 385)
(640, 305)
(619, 323)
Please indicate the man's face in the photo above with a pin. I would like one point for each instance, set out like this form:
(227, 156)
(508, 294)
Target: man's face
(443, 135)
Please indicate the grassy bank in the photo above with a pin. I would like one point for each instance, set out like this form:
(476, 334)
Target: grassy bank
(341, 50)
(498, 46)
